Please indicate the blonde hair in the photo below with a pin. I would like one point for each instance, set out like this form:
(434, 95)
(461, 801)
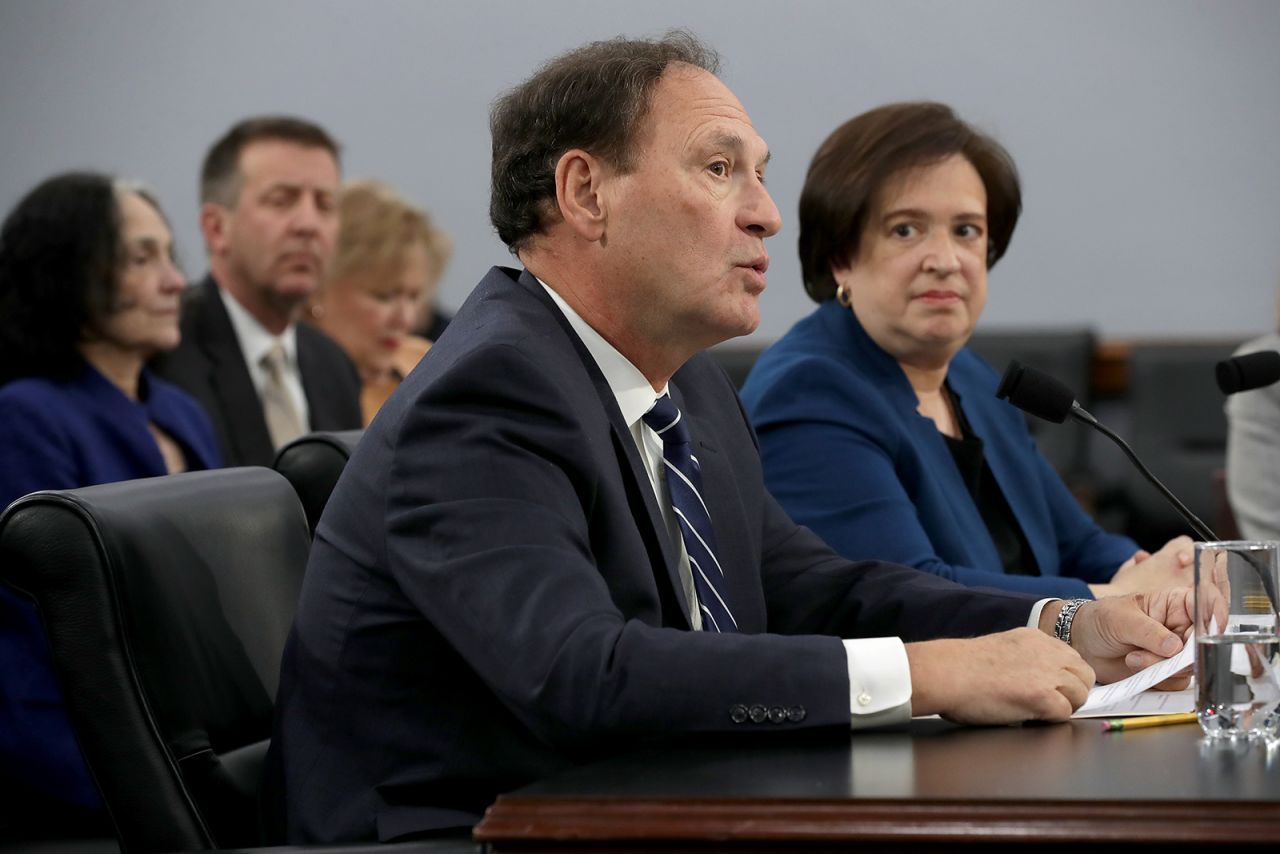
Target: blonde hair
(378, 227)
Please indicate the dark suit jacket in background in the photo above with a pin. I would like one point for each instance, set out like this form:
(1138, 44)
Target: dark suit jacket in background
(210, 366)
(492, 594)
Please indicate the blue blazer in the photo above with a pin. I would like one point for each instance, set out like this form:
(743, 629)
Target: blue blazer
(56, 435)
(847, 454)
(492, 594)
(66, 435)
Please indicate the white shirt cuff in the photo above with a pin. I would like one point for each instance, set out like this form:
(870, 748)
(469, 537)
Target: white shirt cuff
(1034, 620)
(879, 682)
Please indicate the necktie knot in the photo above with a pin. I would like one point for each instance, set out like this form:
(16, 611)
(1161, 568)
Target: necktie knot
(665, 419)
(274, 361)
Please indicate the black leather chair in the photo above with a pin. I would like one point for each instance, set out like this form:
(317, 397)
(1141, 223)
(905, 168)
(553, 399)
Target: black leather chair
(167, 602)
(737, 360)
(312, 464)
(1066, 354)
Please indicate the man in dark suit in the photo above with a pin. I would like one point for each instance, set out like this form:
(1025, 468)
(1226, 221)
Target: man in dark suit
(269, 217)
(521, 569)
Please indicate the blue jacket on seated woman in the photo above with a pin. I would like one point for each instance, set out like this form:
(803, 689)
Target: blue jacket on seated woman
(56, 435)
(847, 454)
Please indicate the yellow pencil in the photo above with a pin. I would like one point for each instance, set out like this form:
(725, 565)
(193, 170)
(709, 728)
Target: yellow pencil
(1118, 724)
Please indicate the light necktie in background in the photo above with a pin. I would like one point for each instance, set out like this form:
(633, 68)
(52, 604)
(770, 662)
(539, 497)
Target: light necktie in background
(283, 421)
(684, 483)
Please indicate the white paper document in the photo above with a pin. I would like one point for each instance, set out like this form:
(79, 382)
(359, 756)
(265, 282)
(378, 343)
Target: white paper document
(1104, 697)
(1149, 702)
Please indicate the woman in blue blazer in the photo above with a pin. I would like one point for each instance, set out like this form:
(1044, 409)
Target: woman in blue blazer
(88, 292)
(878, 429)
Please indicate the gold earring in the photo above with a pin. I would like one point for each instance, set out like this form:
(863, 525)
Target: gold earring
(842, 295)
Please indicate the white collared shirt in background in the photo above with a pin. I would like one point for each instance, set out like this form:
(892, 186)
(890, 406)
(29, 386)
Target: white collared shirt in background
(256, 342)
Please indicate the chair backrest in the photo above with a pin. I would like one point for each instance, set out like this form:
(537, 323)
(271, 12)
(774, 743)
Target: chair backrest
(1179, 431)
(312, 464)
(167, 602)
(1066, 354)
(737, 360)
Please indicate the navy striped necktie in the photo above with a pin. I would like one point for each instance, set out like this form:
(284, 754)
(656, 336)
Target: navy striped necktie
(685, 485)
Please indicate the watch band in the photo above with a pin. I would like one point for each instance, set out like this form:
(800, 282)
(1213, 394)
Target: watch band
(1062, 627)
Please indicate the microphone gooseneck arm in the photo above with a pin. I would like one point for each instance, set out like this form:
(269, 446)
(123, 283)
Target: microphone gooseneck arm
(1043, 396)
(1079, 413)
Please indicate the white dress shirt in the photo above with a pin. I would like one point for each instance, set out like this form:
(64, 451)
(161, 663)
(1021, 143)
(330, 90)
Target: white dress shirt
(256, 342)
(879, 675)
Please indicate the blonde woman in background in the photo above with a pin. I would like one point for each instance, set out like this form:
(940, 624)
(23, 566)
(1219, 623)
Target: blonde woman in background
(1253, 451)
(385, 272)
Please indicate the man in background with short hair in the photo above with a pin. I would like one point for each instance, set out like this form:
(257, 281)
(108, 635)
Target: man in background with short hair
(268, 213)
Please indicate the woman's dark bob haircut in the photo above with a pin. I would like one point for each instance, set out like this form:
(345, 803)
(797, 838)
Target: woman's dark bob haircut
(855, 162)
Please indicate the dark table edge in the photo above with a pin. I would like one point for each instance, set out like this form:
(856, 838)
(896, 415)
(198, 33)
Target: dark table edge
(531, 819)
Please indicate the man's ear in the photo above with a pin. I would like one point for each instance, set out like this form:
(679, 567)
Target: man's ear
(214, 223)
(579, 181)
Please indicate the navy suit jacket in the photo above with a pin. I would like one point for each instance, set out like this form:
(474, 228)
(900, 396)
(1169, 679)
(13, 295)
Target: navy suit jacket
(492, 595)
(210, 366)
(847, 454)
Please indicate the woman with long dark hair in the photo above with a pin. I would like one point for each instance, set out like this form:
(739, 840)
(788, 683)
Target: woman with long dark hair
(88, 292)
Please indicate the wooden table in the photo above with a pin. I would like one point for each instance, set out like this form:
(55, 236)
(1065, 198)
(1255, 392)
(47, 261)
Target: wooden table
(933, 786)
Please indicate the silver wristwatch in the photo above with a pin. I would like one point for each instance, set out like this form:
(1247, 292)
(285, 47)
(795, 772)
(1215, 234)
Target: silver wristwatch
(1062, 627)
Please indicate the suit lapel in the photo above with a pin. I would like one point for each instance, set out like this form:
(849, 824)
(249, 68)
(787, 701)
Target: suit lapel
(867, 358)
(648, 517)
(979, 549)
(231, 384)
(663, 555)
(1022, 496)
(724, 504)
(317, 401)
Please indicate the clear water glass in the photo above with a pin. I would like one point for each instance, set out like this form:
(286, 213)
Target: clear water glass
(1237, 646)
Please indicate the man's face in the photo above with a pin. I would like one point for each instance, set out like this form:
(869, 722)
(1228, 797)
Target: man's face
(685, 230)
(279, 237)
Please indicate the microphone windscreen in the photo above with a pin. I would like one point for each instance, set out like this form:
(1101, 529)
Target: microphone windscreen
(1250, 371)
(1039, 394)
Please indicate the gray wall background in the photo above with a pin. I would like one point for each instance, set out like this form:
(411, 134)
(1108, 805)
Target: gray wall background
(1146, 130)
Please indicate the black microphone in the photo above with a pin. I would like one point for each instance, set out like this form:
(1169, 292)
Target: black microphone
(1039, 394)
(1045, 397)
(1250, 371)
